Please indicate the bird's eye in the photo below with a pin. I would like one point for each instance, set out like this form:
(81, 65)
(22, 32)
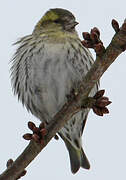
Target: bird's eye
(57, 21)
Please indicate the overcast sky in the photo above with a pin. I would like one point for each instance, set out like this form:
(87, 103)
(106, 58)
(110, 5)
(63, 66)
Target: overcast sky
(104, 137)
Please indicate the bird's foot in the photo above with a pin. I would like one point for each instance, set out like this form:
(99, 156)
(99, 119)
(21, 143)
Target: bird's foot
(98, 103)
(92, 40)
(9, 164)
(38, 133)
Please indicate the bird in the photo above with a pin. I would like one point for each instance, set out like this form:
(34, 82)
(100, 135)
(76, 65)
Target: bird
(47, 65)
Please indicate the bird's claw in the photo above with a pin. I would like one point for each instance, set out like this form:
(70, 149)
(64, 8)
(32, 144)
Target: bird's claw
(38, 133)
(100, 104)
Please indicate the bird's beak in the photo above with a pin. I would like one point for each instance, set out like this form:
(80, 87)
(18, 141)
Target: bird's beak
(76, 23)
(71, 25)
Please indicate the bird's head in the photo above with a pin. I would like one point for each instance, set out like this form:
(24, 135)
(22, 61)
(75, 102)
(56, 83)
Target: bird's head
(55, 20)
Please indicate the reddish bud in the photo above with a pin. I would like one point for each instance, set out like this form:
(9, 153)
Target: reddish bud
(102, 103)
(115, 25)
(105, 110)
(97, 111)
(36, 130)
(31, 125)
(84, 43)
(86, 36)
(27, 136)
(96, 30)
(43, 132)
(104, 98)
(99, 94)
(94, 37)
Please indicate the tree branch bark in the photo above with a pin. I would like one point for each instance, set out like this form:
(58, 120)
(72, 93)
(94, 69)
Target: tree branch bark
(115, 48)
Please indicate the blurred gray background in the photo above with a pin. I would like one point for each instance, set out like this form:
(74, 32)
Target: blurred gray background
(104, 137)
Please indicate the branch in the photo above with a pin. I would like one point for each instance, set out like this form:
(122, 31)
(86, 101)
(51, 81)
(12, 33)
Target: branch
(115, 48)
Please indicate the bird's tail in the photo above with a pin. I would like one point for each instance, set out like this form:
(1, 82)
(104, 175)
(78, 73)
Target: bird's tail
(77, 158)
